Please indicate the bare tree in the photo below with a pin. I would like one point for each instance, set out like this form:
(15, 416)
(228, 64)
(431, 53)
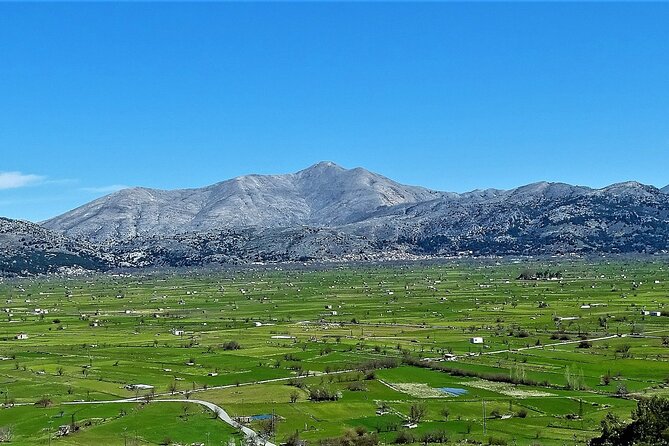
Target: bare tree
(417, 412)
(267, 427)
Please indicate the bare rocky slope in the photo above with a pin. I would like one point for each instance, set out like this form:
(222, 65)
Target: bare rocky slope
(324, 195)
(27, 248)
(541, 218)
(326, 212)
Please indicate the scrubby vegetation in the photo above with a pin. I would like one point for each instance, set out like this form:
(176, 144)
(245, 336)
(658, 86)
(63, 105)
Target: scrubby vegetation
(649, 426)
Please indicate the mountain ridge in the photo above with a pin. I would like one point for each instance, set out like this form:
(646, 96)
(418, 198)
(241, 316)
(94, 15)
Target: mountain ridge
(328, 213)
(324, 194)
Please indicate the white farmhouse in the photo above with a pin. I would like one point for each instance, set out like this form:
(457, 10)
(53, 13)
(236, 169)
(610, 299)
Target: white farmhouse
(138, 387)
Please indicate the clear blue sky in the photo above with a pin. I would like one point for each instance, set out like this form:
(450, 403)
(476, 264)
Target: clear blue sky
(449, 96)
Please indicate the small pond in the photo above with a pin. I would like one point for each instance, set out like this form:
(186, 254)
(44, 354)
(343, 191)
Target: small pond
(261, 417)
(454, 391)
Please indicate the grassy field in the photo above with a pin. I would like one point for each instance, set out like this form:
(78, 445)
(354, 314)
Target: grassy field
(559, 352)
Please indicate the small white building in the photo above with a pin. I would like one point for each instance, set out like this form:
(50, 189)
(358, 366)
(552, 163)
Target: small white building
(138, 387)
(656, 313)
(476, 340)
(645, 313)
(21, 336)
(177, 332)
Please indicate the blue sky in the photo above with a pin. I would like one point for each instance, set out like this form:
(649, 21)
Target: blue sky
(452, 96)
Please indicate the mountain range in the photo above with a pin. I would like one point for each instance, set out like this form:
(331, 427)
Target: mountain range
(326, 212)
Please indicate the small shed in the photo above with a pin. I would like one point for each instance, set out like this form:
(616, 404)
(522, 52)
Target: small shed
(476, 340)
(138, 387)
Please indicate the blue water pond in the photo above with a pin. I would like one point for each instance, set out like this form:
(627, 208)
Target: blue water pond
(454, 391)
(262, 417)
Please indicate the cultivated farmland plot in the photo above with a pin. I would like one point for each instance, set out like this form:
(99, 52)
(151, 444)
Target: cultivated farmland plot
(299, 352)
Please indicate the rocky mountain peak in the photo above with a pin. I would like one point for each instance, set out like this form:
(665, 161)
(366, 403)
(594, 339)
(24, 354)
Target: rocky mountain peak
(323, 166)
(324, 194)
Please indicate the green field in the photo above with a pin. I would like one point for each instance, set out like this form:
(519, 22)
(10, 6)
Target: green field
(558, 354)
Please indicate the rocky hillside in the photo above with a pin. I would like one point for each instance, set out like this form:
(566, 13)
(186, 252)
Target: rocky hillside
(239, 246)
(28, 249)
(541, 218)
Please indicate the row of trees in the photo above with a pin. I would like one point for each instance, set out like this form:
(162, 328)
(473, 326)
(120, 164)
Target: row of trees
(539, 275)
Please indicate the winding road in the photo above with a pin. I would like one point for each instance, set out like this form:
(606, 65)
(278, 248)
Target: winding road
(218, 410)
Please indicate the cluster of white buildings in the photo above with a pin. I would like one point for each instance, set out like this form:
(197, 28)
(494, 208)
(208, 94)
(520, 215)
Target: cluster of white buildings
(651, 313)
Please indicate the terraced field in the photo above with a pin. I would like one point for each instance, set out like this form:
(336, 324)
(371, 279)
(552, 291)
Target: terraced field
(317, 351)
